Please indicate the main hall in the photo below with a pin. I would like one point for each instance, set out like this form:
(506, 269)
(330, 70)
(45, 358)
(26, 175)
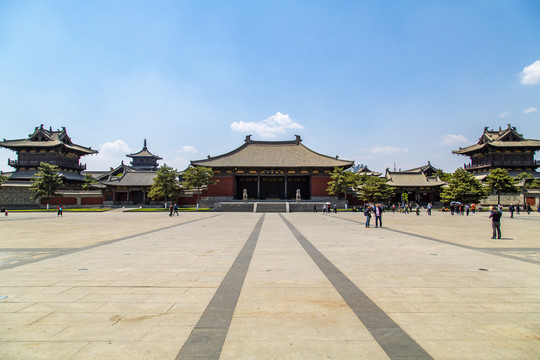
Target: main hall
(271, 170)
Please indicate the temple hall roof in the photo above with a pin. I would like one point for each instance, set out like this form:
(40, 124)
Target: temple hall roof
(273, 154)
(502, 138)
(43, 138)
(412, 179)
(131, 177)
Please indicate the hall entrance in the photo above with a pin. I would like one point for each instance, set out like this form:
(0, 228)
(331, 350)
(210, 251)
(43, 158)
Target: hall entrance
(272, 187)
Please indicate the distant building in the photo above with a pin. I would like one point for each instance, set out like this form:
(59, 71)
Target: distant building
(271, 170)
(503, 148)
(362, 169)
(421, 184)
(129, 185)
(144, 159)
(53, 147)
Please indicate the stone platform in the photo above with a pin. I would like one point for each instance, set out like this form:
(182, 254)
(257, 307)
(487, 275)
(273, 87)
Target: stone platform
(209, 285)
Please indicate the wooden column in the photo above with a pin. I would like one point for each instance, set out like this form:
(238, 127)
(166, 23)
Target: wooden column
(258, 186)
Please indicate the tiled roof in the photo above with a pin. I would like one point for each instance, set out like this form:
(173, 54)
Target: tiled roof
(273, 154)
(144, 153)
(28, 174)
(132, 178)
(411, 179)
(503, 138)
(44, 138)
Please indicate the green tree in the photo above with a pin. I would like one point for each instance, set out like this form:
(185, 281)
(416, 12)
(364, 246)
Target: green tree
(46, 182)
(529, 182)
(341, 180)
(404, 197)
(500, 182)
(165, 184)
(3, 179)
(197, 176)
(88, 182)
(463, 187)
(444, 176)
(374, 189)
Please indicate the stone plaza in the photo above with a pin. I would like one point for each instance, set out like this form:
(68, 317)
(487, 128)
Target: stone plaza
(211, 285)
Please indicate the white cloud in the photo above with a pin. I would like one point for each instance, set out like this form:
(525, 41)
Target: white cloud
(380, 150)
(269, 127)
(179, 163)
(530, 110)
(188, 148)
(110, 154)
(531, 74)
(451, 139)
(504, 114)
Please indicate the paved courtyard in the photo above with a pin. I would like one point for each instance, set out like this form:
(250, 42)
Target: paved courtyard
(118, 285)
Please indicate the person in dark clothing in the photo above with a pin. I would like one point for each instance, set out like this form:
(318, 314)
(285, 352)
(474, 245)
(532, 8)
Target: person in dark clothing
(496, 223)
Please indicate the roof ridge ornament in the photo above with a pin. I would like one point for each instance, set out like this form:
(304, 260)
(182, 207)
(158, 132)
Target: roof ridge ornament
(298, 139)
(248, 138)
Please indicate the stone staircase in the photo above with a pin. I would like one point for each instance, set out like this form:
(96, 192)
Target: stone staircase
(275, 207)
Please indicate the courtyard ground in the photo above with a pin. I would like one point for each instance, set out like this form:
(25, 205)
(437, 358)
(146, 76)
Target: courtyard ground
(212, 285)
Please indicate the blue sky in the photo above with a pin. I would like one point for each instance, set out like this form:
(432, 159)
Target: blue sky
(377, 82)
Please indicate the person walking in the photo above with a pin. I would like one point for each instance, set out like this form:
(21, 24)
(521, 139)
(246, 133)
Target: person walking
(335, 208)
(496, 223)
(367, 214)
(417, 209)
(467, 209)
(171, 208)
(452, 208)
(429, 206)
(60, 209)
(175, 208)
(518, 209)
(529, 209)
(511, 209)
(314, 208)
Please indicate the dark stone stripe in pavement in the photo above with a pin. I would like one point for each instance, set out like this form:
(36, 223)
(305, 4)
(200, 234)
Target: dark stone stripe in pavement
(394, 341)
(37, 249)
(207, 337)
(71, 251)
(485, 250)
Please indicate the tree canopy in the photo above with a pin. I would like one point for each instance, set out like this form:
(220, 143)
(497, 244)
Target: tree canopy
(374, 189)
(88, 182)
(500, 182)
(46, 181)
(197, 176)
(529, 182)
(165, 184)
(3, 179)
(444, 176)
(340, 181)
(464, 187)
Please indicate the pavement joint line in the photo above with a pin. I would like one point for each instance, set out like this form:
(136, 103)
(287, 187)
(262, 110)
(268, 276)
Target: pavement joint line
(484, 250)
(389, 335)
(36, 249)
(208, 336)
(108, 242)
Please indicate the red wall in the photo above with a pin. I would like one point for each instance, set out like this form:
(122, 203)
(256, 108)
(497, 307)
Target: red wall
(60, 201)
(224, 187)
(92, 201)
(319, 185)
